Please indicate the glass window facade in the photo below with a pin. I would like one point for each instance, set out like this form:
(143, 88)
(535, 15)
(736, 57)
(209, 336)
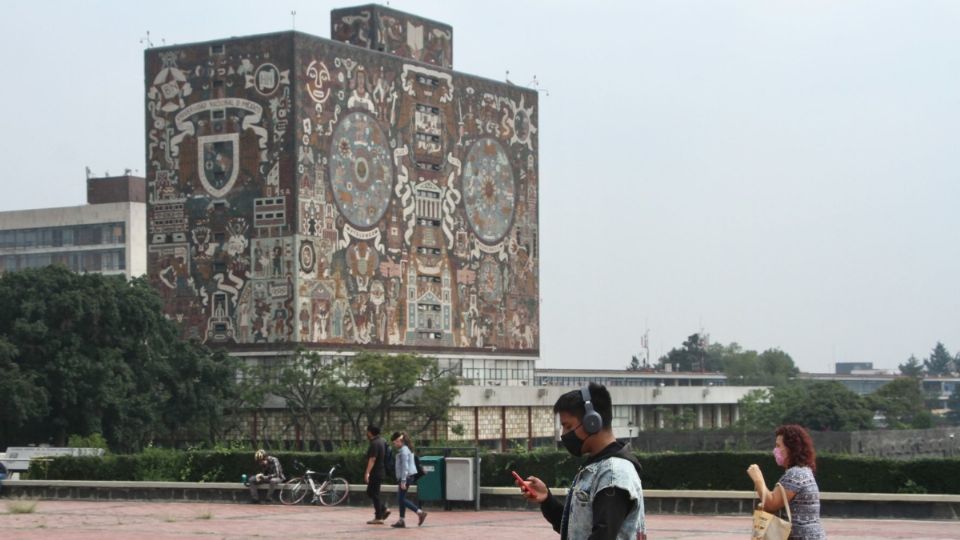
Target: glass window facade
(99, 247)
(108, 260)
(73, 235)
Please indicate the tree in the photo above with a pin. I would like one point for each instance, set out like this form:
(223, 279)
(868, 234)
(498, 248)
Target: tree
(94, 354)
(939, 362)
(22, 400)
(362, 390)
(820, 406)
(694, 356)
(634, 364)
(301, 383)
(772, 367)
(901, 402)
(912, 367)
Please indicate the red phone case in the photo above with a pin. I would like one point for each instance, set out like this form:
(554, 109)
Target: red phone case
(523, 483)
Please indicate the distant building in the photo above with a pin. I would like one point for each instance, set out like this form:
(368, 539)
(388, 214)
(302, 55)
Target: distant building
(849, 368)
(107, 235)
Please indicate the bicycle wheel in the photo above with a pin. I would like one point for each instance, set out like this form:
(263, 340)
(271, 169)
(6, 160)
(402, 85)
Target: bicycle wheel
(334, 492)
(294, 490)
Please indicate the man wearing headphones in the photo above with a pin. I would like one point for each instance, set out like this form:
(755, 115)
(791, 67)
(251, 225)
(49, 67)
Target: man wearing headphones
(605, 500)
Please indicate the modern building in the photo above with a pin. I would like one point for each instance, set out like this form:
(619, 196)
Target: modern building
(938, 388)
(107, 235)
(345, 194)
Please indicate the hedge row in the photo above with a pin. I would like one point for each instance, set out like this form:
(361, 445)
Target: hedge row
(696, 470)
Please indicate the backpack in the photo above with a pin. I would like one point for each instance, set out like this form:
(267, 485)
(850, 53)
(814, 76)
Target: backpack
(420, 472)
(389, 462)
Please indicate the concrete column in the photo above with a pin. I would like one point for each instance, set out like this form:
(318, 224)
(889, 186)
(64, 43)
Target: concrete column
(736, 413)
(640, 418)
(699, 416)
(718, 415)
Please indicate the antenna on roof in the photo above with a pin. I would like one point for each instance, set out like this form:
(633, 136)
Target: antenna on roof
(293, 13)
(507, 77)
(146, 39)
(89, 173)
(535, 84)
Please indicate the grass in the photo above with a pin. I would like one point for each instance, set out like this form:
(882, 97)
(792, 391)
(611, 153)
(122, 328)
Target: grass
(21, 507)
(169, 519)
(206, 514)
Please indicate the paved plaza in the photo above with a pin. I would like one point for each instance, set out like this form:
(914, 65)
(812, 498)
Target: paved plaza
(146, 520)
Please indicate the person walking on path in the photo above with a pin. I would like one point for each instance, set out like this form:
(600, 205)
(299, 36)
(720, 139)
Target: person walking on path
(605, 500)
(374, 473)
(406, 470)
(794, 452)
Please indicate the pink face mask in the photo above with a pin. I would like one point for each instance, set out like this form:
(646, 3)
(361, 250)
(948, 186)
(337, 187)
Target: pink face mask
(778, 456)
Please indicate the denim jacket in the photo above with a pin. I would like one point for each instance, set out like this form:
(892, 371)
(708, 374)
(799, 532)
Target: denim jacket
(614, 471)
(404, 464)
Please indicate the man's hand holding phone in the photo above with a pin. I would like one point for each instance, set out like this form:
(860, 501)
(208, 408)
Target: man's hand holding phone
(532, 488)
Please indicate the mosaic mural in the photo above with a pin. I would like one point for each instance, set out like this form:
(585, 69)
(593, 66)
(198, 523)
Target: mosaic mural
(305, 190)
(388, 30)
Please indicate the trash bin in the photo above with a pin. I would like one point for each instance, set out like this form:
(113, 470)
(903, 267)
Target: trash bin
(430, 486)
(460, 479)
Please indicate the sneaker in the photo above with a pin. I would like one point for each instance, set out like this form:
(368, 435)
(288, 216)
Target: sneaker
(399, 524)
(420, 517)
(254, 501)
(375, 522)
(386, 513)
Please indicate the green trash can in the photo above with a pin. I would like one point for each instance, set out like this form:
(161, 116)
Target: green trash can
(430, 486)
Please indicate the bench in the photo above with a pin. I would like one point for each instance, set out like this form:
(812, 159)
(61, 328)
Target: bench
(17, 458)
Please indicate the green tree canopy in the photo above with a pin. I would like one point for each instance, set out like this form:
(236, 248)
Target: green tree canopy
(772, 367)
(912, 367)
(91, 354)
(817, 405)
(939, 362)
(363, 389)
(901, 402)
(692, 356)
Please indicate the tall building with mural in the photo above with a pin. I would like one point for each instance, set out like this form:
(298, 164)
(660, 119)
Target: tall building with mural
(345, 194)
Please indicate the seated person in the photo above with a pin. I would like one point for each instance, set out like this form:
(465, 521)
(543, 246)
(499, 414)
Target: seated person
(271, 473)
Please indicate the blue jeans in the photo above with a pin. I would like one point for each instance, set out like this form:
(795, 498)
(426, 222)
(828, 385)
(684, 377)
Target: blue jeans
(403, 502)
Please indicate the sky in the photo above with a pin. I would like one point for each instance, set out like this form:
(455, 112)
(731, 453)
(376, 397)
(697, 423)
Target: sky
(775, 174)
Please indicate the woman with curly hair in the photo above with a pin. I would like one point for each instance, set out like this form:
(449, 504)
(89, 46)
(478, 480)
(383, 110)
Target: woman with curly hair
(794, 452)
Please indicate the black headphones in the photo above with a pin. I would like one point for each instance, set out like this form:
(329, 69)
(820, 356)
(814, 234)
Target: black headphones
(592, 421)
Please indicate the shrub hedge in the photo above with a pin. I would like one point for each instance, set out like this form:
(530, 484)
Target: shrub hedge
(693, 470)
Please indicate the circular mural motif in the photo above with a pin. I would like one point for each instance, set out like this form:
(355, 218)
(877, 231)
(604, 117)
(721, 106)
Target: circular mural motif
(307, 256)
(489, 194)
(360, 171)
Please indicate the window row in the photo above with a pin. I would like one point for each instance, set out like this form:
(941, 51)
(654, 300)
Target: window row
(75, 235)
(82, 261)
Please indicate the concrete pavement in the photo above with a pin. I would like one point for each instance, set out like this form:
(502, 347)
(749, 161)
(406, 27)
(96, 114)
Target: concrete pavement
(107, 520)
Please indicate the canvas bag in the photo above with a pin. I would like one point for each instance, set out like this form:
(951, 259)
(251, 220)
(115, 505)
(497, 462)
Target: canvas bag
(767, 526)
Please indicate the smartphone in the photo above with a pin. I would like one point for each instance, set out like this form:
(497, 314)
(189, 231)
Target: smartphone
(524, 485)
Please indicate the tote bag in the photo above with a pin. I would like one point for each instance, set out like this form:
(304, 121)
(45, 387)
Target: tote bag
(767, 526)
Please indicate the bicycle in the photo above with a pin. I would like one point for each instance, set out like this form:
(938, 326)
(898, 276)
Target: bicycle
(330, 492)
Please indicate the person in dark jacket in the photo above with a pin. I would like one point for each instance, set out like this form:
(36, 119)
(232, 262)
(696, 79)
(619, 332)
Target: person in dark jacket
(374, 473)
(605, 500)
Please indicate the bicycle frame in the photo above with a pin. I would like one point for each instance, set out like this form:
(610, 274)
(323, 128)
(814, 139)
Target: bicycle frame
(318, 490)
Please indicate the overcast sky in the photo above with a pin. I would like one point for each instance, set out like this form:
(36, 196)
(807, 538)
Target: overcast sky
(779, 174)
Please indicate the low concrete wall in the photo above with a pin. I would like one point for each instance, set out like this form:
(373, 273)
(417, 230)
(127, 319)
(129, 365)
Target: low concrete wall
(845, 505)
